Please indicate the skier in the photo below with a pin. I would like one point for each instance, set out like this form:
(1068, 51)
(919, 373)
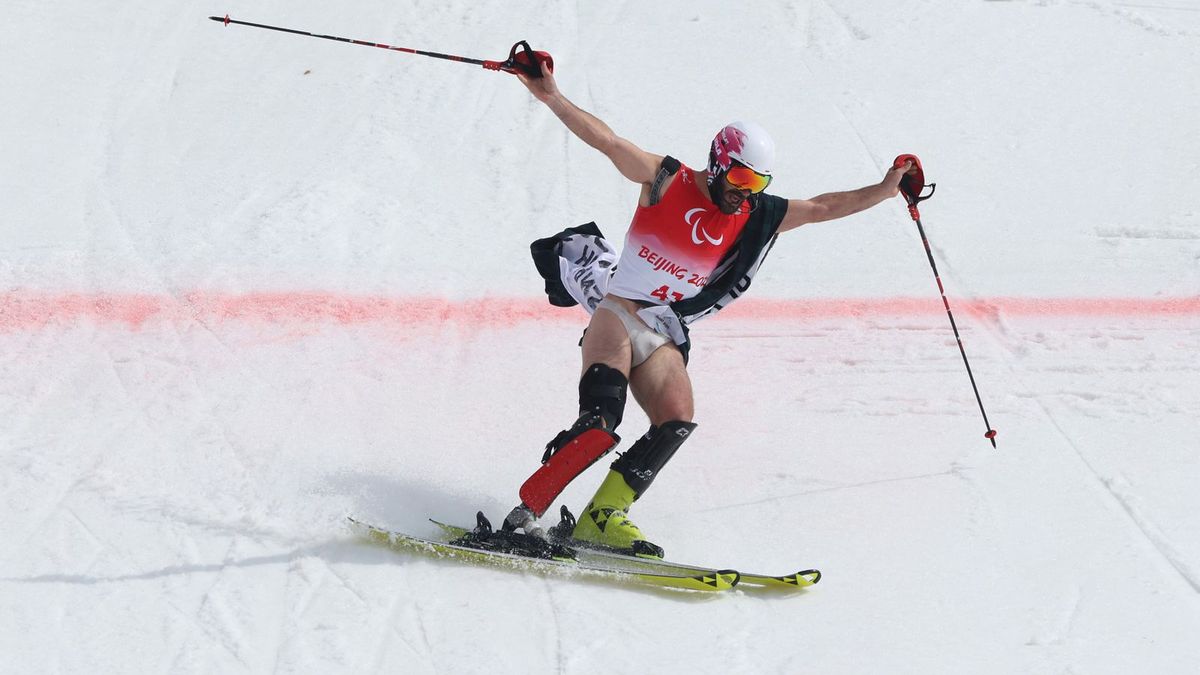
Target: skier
(695, 242)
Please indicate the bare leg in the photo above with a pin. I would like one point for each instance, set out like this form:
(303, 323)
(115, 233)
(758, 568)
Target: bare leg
(607, 342)
(662, 387)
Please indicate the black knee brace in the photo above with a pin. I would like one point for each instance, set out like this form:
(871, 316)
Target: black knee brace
(602, 391)
(642, 462)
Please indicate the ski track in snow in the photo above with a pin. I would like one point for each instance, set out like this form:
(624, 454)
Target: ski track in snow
(1124, 498)
(1144, 526)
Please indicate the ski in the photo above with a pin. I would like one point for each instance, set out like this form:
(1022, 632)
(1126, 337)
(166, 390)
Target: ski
(560, 560)
(584, 552)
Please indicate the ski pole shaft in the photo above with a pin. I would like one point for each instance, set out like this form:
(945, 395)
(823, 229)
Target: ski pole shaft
(508, 66)
(911, 189)
(991, 433)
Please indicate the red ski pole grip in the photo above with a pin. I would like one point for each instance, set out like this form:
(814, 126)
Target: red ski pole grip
(524, 59)
(913, 182)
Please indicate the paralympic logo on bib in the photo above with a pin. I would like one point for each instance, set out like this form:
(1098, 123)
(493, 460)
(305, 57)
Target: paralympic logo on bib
(687, 218)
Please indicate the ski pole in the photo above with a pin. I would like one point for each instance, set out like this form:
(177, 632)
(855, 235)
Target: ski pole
(911, 186)
(526, 61)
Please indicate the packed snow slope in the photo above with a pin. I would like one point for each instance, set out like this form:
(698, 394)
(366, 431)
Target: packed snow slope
(252, 283)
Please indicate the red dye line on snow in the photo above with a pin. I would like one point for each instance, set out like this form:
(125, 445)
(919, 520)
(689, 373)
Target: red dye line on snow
(20, 310)
(25, 310)
(985, 307)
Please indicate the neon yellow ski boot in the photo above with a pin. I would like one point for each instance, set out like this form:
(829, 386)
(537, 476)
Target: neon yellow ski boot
(604, 523)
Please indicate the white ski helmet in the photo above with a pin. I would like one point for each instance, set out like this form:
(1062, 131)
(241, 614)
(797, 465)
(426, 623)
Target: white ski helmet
(744, 142)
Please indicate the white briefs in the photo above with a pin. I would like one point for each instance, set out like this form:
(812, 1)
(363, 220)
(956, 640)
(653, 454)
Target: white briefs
(642, 339)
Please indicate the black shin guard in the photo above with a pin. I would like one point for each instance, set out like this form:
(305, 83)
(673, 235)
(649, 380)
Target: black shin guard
(602, 392)
(642, 462)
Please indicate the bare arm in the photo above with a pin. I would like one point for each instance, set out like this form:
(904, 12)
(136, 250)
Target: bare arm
(834, 205)
(634, 163)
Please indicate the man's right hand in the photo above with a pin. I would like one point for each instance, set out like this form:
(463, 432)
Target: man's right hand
(543, 88)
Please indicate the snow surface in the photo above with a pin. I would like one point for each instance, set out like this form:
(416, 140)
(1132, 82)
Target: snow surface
(252, 282)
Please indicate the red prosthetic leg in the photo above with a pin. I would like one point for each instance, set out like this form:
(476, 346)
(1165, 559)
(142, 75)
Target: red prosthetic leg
(602, 392)
(587, 443)
(561, 467)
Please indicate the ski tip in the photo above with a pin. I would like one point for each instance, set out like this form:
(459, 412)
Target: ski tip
(787, 581)
(802, 579)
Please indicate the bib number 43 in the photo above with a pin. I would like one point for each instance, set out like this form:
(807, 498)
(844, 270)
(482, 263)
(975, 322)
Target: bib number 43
(666, 295)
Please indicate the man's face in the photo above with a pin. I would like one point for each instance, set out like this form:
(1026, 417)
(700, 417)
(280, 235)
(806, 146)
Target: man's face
(731, 198)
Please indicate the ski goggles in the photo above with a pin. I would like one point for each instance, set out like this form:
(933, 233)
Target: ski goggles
(745, 178)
